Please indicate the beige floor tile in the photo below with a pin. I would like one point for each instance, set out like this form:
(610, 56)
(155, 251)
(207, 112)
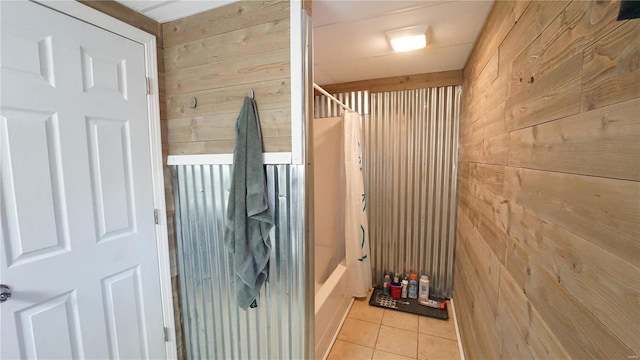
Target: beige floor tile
(383, 355)
(437, 327)
(400, 320)
(359, 332)
(348, 351)
(397, 341)
(363, 311)
(437, 348)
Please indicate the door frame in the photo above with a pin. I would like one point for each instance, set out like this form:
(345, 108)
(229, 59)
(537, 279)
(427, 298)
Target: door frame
(84, 13)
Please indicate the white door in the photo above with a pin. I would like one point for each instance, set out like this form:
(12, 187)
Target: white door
(76, 202)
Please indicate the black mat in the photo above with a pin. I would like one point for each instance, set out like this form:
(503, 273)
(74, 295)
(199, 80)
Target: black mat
(378, 298)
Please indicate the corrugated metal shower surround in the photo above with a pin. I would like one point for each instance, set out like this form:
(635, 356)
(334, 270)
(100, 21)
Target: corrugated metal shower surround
(410, 168)
(215, 327)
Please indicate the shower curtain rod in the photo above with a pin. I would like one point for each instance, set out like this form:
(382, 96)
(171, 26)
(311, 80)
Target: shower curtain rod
(326, 93)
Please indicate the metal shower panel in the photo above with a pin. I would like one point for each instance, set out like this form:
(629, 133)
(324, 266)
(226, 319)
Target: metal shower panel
(215, 327)
(411, 157)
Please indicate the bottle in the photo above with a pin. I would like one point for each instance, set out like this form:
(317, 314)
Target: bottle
(413, 286)
(396, 288)
(434, 304)
(424, 290)
(405, 285)
(386, 285)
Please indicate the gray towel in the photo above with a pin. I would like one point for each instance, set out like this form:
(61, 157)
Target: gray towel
(248, 217)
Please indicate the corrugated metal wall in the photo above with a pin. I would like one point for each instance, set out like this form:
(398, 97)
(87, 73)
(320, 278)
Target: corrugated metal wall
(356, 100)
(215, 328)
(411, 156)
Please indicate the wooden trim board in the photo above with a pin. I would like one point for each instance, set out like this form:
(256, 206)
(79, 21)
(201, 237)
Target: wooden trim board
(395, 83)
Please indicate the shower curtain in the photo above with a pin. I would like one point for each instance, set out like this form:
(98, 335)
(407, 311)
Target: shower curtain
(356, 227)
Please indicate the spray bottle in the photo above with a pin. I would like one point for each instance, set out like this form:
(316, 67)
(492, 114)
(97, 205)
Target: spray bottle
(386, 285)
(413, 286)
(396, 288)
(405, 287)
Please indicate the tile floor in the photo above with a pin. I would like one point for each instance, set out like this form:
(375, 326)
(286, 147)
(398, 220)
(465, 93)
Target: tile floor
(371, 332)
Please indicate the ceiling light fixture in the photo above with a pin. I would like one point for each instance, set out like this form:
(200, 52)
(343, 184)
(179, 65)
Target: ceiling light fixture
(408, 39)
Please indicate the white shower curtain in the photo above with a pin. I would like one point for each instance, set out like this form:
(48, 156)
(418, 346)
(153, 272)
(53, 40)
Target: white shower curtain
(356, 228)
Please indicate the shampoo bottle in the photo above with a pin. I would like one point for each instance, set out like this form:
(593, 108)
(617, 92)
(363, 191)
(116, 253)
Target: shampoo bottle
(424, 290)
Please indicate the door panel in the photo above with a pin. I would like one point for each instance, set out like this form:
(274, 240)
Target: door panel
(76, 202)
(50, 329)
(34, 208)
(110, 162)
(123, 300)
(28, 52)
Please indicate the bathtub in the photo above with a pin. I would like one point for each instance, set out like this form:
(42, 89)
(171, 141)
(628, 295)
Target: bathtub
(332, 306)
(331, 283)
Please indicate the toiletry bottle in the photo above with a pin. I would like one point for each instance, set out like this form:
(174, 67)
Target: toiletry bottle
(386, 285)
(424, 289)
(413, 286)
(396, 288)
(405, 285)
(434, 304)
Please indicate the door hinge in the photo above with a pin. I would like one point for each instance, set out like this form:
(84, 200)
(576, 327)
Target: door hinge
(155, 216)
(166, 334)
(148, 86)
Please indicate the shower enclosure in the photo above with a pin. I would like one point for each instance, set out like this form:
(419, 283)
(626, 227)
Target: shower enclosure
(414, 135)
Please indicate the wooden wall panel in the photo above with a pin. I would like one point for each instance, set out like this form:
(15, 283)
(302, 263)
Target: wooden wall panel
(602, 210)
(581, 266)
(581, 23)
(487, 271)
(500, 20)
(240, 15)
(491, 177)
(243, 70)
(489, 215)
(491, 92)
(242, 42)
(533, 21)
(471, 137)
(217, 57)
(530, 328)
(229, 99)
(603, 142)
(464, 306)
(549, 96)
(549, 184)
(577, 329)
(478, 311)
(610, 71)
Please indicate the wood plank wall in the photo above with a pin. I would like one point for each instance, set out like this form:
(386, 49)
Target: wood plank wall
(548, 233)
(140, 21)
(218, 56)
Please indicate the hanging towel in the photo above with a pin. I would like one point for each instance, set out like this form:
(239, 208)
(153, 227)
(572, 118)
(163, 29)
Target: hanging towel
(249, 220)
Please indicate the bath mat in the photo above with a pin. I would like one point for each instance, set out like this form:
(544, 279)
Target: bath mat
(378, 298)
